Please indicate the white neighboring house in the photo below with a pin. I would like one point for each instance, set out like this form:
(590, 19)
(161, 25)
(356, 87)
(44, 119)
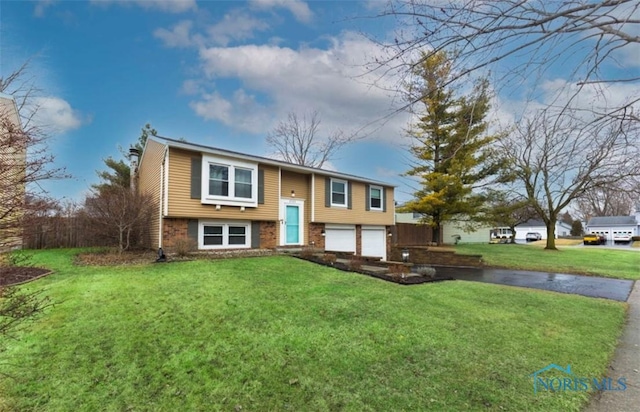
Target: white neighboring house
(480, 234)
(614, 228)
(562, 229)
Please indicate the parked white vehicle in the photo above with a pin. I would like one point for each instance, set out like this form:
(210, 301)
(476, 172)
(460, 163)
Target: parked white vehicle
(622, 236)
(500, 235)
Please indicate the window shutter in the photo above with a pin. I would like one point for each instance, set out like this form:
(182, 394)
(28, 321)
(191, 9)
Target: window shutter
(367, 197)
(384, 199)
(327, 192)
(255, 235)
(260, 186)
(196, 177)
(192, 229)
(348, 195)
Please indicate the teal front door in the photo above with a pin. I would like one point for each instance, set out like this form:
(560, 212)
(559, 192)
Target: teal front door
(293, 225)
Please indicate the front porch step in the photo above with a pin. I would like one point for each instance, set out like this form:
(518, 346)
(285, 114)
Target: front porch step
(289, 249)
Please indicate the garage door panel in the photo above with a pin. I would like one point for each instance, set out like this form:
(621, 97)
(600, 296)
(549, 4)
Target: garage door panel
(374, 242)
(340, 239)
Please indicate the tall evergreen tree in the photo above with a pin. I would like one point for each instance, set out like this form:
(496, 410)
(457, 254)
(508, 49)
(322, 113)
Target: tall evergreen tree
(118, 173)
(454, 156)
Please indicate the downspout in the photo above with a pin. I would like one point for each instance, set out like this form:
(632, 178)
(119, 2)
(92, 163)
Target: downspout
(162, 196)
(281, 217)
(313, 197)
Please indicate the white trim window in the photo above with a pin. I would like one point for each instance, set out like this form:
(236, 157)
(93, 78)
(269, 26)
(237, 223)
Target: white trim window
(375, 198)
(339, 192)
(229, 182)
(224, 235)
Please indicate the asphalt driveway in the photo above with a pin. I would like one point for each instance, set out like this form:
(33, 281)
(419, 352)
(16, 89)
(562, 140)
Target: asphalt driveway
(615, 289)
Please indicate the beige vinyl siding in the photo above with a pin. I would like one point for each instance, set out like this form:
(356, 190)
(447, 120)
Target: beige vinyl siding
(12, 172)
(149, 175)
(182, 205)
(295, 181)
(301, 184)
(357, 214)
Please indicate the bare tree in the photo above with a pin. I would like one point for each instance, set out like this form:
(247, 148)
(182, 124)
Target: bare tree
(520, 42)
(617, 200)
(24, 163)
(558, 160)
(25, 160)
(121, 215)
(297, 140)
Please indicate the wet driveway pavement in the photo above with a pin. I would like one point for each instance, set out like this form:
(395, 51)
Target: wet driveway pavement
(615, 289)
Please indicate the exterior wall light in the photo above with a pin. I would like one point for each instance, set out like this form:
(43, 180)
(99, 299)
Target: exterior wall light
(405, 255)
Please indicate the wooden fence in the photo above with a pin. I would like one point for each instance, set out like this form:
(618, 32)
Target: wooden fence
(60, 232)
(409, 234)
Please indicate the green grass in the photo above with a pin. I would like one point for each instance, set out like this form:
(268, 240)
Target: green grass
(277, 333)
(597, 261)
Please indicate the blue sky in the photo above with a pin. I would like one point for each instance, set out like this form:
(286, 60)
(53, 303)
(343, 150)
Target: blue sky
(215, 73)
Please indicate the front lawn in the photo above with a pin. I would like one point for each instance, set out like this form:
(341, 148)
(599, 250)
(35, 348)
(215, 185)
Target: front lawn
(277, 333)
(590, 260)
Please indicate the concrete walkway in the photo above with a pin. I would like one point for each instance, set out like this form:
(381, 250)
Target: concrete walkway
(626, 363)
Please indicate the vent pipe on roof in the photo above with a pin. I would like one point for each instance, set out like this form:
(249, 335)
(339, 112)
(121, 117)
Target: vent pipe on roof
(134, 158)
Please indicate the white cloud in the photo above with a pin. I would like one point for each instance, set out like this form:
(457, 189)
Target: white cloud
(178, 36)
(214, 107)
(57, 114)
(191, 87)
(42, 6)
(168, 6)
(235, 25)
(276, 80)
(589, 98)
(298, 8)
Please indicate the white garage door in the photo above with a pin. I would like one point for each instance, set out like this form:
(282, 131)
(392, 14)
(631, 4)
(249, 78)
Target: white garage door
(340, 238)
(374, 242)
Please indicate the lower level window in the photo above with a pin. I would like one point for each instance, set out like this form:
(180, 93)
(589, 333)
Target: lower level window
(237, 235)
(224, 235)
(212, 235)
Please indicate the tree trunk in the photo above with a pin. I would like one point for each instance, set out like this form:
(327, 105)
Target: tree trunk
(551, 235)
(121, 240)
(436, 233)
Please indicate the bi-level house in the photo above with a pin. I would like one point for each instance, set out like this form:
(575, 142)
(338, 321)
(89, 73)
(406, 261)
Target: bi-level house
(229, 200)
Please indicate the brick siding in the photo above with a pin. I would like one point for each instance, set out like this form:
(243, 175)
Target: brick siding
(268, 235)
(424, 255)
(172, 230)
(315, 235)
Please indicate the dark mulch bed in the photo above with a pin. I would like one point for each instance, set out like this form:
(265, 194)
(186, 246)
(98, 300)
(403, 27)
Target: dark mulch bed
(111, 257)
(408, 280)
(114, 258)
(11, 275)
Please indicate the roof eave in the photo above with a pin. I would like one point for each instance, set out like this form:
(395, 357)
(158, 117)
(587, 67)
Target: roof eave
(264, 160)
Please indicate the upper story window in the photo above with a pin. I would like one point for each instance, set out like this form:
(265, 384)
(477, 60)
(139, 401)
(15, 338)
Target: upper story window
(338, 192)
(229, 182)
(375, 198)
(218, 180)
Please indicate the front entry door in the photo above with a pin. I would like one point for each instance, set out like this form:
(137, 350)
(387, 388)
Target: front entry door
(292, 223)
